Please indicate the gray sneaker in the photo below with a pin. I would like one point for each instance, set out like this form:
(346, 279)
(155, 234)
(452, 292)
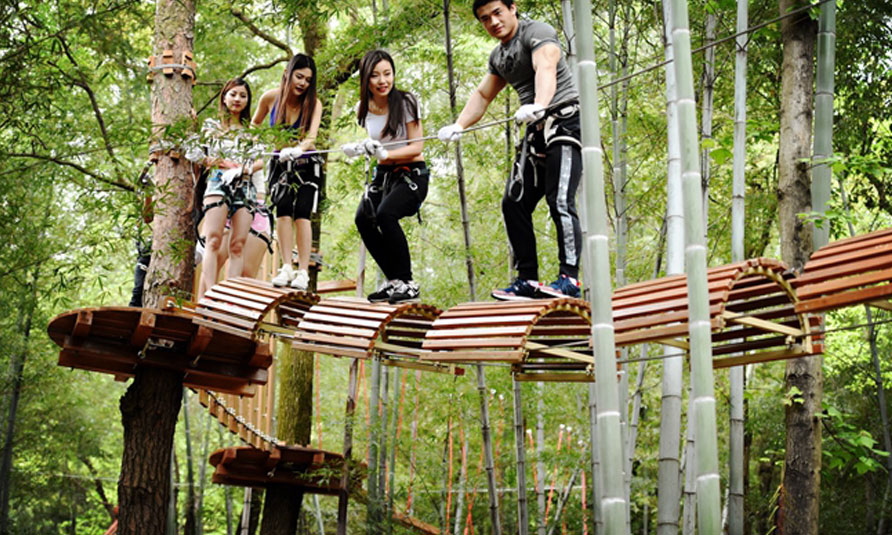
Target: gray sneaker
(404, 292)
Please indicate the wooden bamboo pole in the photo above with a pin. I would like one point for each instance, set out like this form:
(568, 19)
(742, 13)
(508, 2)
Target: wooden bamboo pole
(539, 473)
(349, 419)
(706, 106)
(383, 466)
(597, 257)
(523, 520)
(373, 515)
(736, 374)
(485, 429)
(706, 450)
(823, 142)
(394, 437)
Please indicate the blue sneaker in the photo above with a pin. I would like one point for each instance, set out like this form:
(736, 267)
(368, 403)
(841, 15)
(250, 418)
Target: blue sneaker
(520, 290)
(564, 286)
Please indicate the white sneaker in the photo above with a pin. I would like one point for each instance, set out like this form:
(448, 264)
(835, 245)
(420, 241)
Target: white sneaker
(301, 280)
(285, 276)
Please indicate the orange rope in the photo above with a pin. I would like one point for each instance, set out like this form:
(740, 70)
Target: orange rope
(412, 443)
(449, 481)
(554, 474)
(318, 404)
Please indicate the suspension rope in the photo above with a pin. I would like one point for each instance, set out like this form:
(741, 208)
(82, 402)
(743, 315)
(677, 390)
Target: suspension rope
(717, 42)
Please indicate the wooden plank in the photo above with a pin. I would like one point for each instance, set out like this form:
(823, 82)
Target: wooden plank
(200, 341)
(336, 351)
(143, 329)
(222, 317)
(883, 304)
(312, 317)
(474, 356)
(335, 341)
(213, 297)
(213, 325)
(560, 352)
(231, 309)
(837, 285)
(83, 323)
(499, 319)
(343, 285)
(765, 356)
(839, 266)
(424, 366)
(324, 308)
(762, 324)
(225, 292)
(864, 241)
(472, 342)
(396, 348)
(842, 300)
(478, 332)
(310, 326)
(545, 377)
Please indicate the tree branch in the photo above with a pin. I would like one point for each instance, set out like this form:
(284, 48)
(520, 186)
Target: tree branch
(117, 183)
(82, 83)
(237, 13)
(244, 74)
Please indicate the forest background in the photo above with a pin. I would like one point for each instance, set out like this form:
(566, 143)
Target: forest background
(74, 129)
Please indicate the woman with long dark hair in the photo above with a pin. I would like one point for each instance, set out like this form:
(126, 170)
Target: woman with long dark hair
(294, 179)
(230, 194)
(391, 116)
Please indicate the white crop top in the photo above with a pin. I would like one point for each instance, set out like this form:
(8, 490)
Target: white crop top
(374, 125)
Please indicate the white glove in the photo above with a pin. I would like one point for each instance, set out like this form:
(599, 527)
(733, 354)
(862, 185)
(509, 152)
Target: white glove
(374, 148)
(449, 133)
(352, 150)
(290, 153)
(529, 113)
(231, 175)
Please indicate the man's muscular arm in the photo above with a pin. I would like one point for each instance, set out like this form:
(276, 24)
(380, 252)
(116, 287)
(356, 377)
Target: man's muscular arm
(480, 100)
(545, 62)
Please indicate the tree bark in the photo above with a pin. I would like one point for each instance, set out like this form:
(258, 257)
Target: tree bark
(803, 377)
(282, 504)
(150, 406)
(16, 367)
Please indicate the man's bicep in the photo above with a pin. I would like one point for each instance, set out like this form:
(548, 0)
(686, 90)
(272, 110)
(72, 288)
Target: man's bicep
(546, 56)
(490, 86)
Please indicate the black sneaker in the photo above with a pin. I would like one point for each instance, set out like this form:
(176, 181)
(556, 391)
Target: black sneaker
(520, 290)
(383, 293)
(404, 292)
(564, 286)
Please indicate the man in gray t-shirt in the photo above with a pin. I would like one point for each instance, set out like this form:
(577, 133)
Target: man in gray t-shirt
(529, 58)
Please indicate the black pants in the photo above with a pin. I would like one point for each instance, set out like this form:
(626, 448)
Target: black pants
(552, 170)
(396, 192)
(139, 276)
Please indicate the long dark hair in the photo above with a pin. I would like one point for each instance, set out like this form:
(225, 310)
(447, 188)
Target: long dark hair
(307, 101)
(244, 116)
(397, 101)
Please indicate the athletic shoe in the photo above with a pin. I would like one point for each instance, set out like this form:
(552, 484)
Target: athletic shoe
(564, 286)
(382, 293)
(285, 276)
(404, 292)
(520, 290)
(301, 280)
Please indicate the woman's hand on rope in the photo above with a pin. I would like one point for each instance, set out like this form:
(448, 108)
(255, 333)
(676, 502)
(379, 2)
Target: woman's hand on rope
(231, 175)
(290, 153)
(450, 132)
(353, 150)
(373, 147)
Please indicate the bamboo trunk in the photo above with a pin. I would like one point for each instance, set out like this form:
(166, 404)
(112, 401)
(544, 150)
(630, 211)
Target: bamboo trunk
(736, 469)
(189, 527)
(488, 452)
(373, 514)
(706, 113)
(459, 168)
(540, 461)
(597, 256)
(822, 174)
(349, 420)
(523, 520)
(668, 474)
(706, 448)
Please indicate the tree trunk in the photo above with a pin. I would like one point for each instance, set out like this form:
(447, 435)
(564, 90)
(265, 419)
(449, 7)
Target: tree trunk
(190, 527)
(16, 367)
(294, 416)
(706, 112)
(803, 378)
(669, 475)
(150, 406)
(702, 381)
